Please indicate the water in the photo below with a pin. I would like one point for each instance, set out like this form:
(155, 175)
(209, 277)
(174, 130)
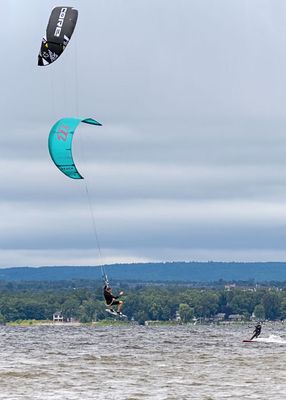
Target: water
(134, 362)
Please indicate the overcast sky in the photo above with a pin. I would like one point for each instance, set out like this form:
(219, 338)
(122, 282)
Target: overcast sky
(190, 163)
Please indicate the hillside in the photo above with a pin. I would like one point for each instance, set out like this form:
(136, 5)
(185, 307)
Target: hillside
(164, 272)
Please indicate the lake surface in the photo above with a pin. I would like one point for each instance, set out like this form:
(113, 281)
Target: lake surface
(137, 362)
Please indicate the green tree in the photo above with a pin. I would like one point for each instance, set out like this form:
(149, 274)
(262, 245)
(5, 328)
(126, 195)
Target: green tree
(70, 307)
(259, 311)
(186, 312)
(283, 309)
(87, 311)
(242, 303)
(271, 302)
(2, 319)
(141, 317)
(206, 304)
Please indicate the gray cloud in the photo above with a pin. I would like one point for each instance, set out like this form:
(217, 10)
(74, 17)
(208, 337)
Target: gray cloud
(190, 160)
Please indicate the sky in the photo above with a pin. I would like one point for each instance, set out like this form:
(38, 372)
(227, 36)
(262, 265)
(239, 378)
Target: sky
(190, 162)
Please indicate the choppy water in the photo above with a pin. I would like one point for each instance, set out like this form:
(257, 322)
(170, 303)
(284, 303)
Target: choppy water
(133, 362)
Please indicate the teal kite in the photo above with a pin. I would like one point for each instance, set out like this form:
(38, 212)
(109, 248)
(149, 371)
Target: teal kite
(60, 144)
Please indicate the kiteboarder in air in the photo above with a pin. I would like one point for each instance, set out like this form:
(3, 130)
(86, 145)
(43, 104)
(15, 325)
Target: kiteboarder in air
(112, 300)
(257, 331)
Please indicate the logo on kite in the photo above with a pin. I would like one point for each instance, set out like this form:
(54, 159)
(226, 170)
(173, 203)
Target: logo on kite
(59, 31)
(60, 144)
(60, 22)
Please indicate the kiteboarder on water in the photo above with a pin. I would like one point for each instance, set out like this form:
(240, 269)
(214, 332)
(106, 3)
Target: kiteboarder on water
(257, 331)
(112, 300)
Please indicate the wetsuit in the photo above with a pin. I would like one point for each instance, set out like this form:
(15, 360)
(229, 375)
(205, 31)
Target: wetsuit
(110, 299)
(256, 331)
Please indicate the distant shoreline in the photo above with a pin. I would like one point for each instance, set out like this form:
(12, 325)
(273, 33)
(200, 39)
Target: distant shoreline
(30, 323)
(27, 323)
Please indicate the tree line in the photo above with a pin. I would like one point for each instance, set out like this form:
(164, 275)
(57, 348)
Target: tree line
(83, 301)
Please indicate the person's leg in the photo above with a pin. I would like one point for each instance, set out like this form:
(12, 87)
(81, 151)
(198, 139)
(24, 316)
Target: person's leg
(116, 303)
(120, 304)
(110, 306)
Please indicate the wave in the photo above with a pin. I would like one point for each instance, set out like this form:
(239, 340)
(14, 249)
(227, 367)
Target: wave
(272, 339)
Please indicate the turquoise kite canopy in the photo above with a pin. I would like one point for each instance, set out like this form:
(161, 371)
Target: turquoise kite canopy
(60, 144)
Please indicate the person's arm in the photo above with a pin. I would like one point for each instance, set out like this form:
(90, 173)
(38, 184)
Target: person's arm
(117, 297)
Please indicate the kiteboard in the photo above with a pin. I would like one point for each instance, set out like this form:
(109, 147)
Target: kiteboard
(249, 341)
(115, 314)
